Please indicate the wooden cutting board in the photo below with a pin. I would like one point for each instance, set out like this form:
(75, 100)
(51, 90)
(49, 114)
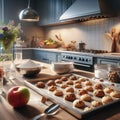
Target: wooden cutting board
(43, 77)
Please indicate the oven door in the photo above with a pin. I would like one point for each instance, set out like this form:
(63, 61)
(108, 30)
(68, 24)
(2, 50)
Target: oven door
(85, 67)
(80, 66)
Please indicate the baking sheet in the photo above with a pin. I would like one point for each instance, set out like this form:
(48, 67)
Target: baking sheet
(79, 113)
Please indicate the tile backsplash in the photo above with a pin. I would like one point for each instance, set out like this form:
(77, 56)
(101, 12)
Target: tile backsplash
(90, 32)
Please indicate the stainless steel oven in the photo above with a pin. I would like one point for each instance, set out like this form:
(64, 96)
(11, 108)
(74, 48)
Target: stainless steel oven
(82, 62)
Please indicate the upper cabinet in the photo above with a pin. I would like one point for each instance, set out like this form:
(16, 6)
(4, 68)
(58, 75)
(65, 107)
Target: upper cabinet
(51, 10)
(12, 9)
(48, 10)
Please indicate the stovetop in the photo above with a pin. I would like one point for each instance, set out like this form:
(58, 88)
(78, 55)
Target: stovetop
(93, 51)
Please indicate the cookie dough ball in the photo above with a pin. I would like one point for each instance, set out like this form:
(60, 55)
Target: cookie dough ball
(98, 93)
(77, 81)
(69, 89)
(86, 97)
(73, 77)
(77, 85)
(96, 103)
(98, 86)
(69, 82)
(64, 78)
(106, 99)
(64, 86)
(88, 108)
(58, 93)
(108, 90)
(89, 88)
(58, 81)
(43, 99)
(70, 97)
(78, 103)
(51, 83)
(82, 92)
(82, 79)
(52, 88)
(40, 84)
(115, 94)
(87, 83)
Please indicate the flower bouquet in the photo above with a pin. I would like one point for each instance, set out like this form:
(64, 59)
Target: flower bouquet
(8, 34)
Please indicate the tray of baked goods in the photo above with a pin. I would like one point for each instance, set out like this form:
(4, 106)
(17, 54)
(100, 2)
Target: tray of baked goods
(79, 95)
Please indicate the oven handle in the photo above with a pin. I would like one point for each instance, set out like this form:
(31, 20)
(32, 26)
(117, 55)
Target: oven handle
(82, 65)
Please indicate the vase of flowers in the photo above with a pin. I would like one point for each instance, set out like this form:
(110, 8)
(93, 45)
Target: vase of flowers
(8, 35)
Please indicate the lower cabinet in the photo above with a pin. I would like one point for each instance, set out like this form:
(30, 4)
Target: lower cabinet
(45, 56)
(27, 54)
(108, 61)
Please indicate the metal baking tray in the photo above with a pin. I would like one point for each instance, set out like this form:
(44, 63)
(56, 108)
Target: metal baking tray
(79, 113)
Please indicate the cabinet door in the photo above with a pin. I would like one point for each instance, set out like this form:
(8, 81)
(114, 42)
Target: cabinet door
(12, 9)
(44, 9)
(51, 10)
(45, 56)
(108, 61)
(27, 54)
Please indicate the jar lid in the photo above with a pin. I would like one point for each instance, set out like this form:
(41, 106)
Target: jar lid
(114, 67)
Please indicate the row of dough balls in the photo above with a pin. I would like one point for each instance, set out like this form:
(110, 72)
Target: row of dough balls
(78, 103)
(98, 92)
(69, 82)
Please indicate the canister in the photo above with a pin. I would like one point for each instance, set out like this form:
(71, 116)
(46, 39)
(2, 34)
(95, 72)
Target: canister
(101, 71)
(114, 73)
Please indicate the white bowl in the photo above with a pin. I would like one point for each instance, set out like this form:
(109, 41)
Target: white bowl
(62, 67)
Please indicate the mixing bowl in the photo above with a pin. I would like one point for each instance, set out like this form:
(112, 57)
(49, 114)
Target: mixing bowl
(29, 68)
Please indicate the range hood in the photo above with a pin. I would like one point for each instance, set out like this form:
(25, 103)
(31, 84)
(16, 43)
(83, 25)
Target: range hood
(87, 9)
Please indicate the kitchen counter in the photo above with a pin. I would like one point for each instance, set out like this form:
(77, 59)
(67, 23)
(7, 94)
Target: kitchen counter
(106, 55)
(35, 107)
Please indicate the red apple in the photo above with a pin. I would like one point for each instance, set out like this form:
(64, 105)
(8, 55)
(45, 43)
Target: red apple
(18, 96)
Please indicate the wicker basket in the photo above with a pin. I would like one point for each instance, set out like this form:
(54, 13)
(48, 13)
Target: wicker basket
(50, 46)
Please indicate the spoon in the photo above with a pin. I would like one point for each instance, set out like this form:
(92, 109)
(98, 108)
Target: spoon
(51, 110)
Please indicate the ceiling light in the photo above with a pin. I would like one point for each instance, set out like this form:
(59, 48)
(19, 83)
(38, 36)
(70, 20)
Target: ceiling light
(29, 14)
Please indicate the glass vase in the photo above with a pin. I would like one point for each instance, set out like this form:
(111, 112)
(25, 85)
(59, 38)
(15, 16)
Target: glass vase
(6, 59)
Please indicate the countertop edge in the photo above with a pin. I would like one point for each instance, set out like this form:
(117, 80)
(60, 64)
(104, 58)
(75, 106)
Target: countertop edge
(105, 55)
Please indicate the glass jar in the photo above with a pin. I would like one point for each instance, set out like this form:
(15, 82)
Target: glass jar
(18, 52)
(114, 73)
(101, 71)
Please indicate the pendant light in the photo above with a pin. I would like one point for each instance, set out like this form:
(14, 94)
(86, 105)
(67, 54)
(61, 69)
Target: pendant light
(29, 14)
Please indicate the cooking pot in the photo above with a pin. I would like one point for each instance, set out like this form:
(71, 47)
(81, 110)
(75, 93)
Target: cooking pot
(81, 46)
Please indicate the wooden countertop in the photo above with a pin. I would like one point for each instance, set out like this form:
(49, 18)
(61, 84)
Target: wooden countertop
(35, 107)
